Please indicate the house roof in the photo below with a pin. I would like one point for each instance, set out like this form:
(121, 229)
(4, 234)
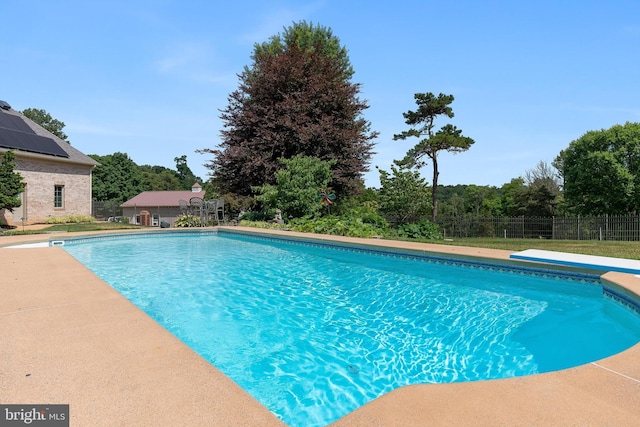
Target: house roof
(28, 139)
(161, 198)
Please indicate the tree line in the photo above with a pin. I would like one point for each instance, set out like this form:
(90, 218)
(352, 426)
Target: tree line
(119, 178)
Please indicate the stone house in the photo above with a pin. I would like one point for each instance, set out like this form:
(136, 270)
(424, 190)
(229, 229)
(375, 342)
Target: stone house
(57, 176)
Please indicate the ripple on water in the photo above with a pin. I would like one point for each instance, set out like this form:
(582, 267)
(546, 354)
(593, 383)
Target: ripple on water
(314, 333)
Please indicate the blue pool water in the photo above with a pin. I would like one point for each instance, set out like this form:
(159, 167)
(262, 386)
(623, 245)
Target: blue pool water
(314, 332)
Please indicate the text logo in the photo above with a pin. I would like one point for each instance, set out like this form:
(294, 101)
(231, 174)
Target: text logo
(34, 415)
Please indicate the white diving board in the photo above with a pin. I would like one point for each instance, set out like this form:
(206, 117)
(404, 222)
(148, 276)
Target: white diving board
(577, 260)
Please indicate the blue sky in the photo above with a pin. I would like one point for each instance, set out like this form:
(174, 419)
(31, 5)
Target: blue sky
(148, 78)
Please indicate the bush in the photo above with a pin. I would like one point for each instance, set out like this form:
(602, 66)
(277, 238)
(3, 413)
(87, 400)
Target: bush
(261, 224)
(423, 230)
(69, 219)
(187, 221)
(344, 225)
(256, 216)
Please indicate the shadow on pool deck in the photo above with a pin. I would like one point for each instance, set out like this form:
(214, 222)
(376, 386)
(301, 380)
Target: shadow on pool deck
(67, 337)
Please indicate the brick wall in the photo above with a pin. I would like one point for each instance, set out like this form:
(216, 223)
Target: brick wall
(41, 177)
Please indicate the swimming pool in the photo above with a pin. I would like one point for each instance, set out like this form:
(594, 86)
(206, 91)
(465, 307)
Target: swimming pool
(313, 331)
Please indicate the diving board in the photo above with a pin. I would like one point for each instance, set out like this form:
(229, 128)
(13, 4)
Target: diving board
(577, 260)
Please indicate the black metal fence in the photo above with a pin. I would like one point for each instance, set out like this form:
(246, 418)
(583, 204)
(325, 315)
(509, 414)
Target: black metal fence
(605, 227)
(104, 210)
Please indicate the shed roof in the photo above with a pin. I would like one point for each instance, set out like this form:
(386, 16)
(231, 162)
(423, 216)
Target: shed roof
(161, 198)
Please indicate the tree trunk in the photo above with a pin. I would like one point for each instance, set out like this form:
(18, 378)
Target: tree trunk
(434, 189)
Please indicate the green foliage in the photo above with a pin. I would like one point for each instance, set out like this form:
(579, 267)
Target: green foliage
(185, 175)
(404, 195)
(187, 220)
(448, 138)
(258, 216)
(117, 178)
(344, 225)
(159, 178)
(512, 195)
(539, 196)
(368, 214)
(296, 190)
(601, 171)
(11, 184)
(361, 221)
(307, 38)
(70, 219)
(423, 230)
(45, 120)
(481, 200)
(262, 224)
(75, 227)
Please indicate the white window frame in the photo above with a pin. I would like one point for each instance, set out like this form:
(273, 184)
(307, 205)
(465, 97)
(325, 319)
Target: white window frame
(58, 196)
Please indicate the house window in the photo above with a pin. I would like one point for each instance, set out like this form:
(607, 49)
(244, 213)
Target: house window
(58, 196)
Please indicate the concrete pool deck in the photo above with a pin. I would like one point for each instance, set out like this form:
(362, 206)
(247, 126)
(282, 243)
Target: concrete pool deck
(66, 337)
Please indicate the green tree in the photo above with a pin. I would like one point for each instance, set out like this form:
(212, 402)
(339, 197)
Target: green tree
(482, 200)
(11, 184)
(160, 178)
(297, 184)
(185, 175)
(512, 197)
(543, 193)
(452, 207)
(540, 201)
(448, 138)
(45, 120)
(117, 178)
(404, 195)
(295, 99)
(601, 171)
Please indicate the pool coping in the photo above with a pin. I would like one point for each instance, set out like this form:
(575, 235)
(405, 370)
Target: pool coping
(63, 332)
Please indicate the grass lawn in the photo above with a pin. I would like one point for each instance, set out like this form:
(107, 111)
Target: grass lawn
(630, 250)
(74, 227)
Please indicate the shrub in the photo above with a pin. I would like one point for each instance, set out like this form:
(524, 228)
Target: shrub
(343, 225)
(423, 230)
(69, 219)
(256, 216)
(261, 224)
(187, 221)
